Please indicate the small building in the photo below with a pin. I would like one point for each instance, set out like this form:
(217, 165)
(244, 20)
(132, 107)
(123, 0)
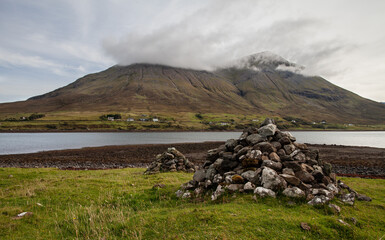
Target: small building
(130, 119)
(323, 122)
(155, 120)
(110, 119)
(255, 120)
(223, 124)
(143, 120)
(293, 121)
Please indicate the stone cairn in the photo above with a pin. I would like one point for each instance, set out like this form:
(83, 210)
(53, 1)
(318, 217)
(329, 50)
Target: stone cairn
(170, 161)
(266, 161)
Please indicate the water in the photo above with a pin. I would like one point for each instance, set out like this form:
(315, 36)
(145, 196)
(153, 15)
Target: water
(13, 143)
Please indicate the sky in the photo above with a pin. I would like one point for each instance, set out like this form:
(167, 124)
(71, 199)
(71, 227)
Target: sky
(47, 44)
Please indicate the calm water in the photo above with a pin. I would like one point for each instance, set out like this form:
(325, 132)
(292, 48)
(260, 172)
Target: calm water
(12, 143)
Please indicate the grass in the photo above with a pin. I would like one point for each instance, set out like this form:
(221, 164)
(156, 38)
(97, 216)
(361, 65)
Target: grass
(89, 121)
(121, 204)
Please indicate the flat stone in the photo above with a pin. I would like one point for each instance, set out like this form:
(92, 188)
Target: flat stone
(277, 166)
(254, 139)
(293, 180)
(304, 176)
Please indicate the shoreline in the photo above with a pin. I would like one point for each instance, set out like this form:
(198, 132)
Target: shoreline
(175, 130)
(346, 160)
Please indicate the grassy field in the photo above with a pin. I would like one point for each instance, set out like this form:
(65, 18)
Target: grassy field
(121, 204)
(184, 121)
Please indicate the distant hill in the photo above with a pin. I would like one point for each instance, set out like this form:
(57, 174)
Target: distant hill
(262, 83)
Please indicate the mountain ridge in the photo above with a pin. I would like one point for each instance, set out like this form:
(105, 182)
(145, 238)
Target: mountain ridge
(259, 86)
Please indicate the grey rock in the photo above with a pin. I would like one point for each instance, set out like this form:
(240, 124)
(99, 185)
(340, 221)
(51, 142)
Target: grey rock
(267, 121)
(186, 195)
(218, 179)
(332, 188)
(267, 130)
(250, 176)
(254, 139)
(231, 144)
(249, 186)
(361, 197)
(293, 192)
(348, 198)
(234, 187)
(271, 180)
(218, 192)
(264, 192)
(319, 200)
(199, 176)
(320, 191)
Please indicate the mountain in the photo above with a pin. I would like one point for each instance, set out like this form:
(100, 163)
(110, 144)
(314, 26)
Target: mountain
(263, 83)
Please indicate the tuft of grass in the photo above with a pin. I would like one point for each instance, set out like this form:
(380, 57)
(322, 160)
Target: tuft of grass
(121, 204)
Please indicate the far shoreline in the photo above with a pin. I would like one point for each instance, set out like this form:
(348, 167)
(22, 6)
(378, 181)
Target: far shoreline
(176, 130)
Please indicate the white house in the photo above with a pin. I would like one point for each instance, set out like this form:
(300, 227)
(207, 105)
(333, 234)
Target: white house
(130, 120)
(110, 118)
(155, 120)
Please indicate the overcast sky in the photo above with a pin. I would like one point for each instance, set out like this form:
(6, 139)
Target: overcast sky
(47, 44)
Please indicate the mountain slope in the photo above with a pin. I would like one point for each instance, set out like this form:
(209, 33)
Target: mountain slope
(258, 84)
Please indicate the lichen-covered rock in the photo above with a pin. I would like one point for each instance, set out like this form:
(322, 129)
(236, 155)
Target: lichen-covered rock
(271, 180)
(264, 192)
(293, 192)
(319, 200)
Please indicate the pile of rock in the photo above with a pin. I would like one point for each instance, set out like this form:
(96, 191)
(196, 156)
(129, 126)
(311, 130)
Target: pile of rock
(170, 161)
(266, 161)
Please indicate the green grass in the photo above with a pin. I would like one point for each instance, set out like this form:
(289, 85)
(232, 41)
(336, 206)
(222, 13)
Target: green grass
(183, 121)
(121, 204)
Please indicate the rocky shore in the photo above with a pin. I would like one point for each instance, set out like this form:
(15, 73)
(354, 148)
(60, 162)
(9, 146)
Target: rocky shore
(346, 160)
